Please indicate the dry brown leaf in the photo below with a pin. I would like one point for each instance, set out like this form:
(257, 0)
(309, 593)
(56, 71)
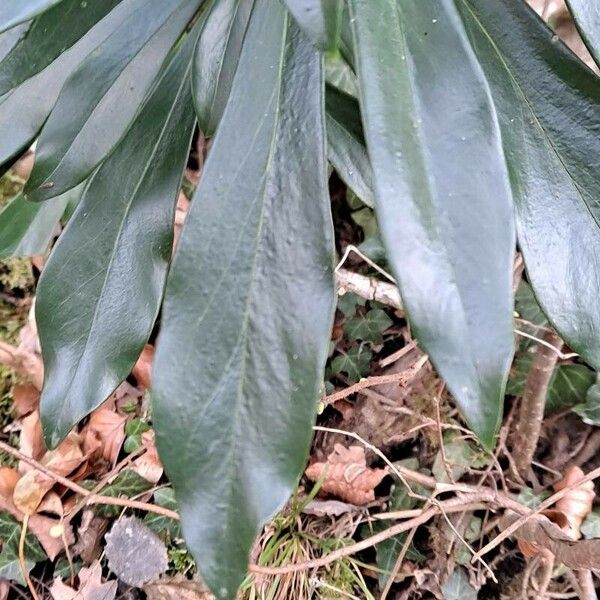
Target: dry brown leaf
(89, 536)
(183, 206)
(34, 485)
(105, 433)
(4, 589)
(347, 475)
(50, 532)
(31, 440)
(142, 370)
(148, 465)
(26, 399)
(577, 503)
(540, 533)
(90, 586)
(27, 364)
(8, 481)
(177, 588)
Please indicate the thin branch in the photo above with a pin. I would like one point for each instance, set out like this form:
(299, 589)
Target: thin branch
(90, 497)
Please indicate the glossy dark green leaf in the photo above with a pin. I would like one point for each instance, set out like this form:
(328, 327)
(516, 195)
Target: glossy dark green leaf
(346, 144)
(101, 98)
(217, 56)
(368, 327)
(442, 193)
(101, 290)
(319, 19)
(587, 18)
(24, 109)
(9, 39)
(548, 104)
(249, 303)
(48, 37)
(13, 12)
(26, 228)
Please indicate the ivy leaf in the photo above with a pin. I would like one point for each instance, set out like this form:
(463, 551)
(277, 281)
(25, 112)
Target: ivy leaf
(125, 485)
(458, 587)
(166, 498)
(369, 327)
(589, 410)
(355, 363)
(10, 534)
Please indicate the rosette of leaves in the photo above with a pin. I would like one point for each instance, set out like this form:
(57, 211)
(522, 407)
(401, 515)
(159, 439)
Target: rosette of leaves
(470, 117)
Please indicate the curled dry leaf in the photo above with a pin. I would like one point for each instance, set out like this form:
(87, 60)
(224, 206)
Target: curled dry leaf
(33, 486)
(347, 475)
(105, 434)
(142, 370)
(540, 533)
(26, 399)
(148, 465)
(89, 536)
(577, 503)
(31, 440)
(90, 586)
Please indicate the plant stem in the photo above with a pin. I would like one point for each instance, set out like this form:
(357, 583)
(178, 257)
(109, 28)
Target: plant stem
(533, 401)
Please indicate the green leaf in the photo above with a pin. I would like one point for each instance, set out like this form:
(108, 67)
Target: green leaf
(458, 587)
(10, 533)
(586, 15)
(216, 60)
(442, 193)
(26, 228)
(24, 109)
(13, 12)
(95, 309)
(530, 499)
(369, 327)
(126, 484)
(83, 128)
(166, 498)
(589, 411)
(346, 145)
(548, 104)
(355, 363)
(339, 74)
(249, 304)
(319, 19)
(568, 387)
(590, 528)
(48, 37)
(461, 455)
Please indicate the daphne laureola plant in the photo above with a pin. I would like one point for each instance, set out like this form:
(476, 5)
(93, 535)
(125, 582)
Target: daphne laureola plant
(473, 129)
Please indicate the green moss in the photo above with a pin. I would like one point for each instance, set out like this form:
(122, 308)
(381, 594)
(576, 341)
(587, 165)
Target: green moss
(16, 274)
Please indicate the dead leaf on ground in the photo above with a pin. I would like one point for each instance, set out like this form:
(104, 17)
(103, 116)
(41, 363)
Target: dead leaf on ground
(134, 552)
(50, 533)
(31, 440)
(142, 370)
(104, 433)
(183, 206)
(347, 475)
(540, 533)
(577, 503)
(89, 536)
(26, 399)
(8, 481)
(148, 465)
(34, 485)
(90, 586)
(177, 588)
(4, 589)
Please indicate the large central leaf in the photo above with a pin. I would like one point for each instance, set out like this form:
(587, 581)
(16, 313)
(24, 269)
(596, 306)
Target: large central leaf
(102, 287)
(549, 108)
(249, 303)
(442, 193)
